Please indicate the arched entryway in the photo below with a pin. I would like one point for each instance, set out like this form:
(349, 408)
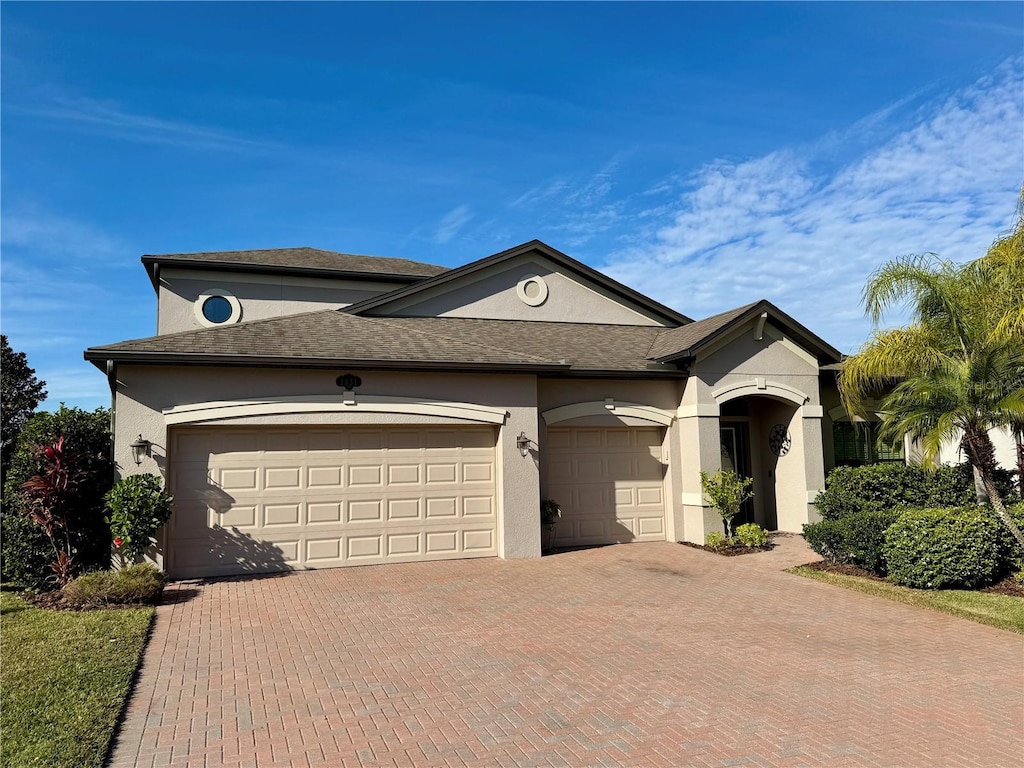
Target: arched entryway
(759, 438)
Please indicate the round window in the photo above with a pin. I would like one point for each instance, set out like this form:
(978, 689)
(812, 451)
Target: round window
(217, 309)
(216, 306)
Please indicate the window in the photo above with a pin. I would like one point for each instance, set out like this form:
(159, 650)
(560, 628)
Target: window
(217, 306)
(856, 443)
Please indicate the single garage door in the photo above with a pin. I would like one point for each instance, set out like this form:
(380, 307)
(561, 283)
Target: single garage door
(262, 499)
(609, 483)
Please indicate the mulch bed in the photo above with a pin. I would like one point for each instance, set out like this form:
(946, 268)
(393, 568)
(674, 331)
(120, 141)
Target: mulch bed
(731, 551)
(1008, 586)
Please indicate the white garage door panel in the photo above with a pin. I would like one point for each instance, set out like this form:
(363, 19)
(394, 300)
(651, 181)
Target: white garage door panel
(609, 483)
(265, 499)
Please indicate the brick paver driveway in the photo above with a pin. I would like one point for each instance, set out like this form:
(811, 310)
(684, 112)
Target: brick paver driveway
(641, 655)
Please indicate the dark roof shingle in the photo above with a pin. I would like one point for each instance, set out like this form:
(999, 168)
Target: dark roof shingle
(304, 259)
(336, 335)
(677, 340)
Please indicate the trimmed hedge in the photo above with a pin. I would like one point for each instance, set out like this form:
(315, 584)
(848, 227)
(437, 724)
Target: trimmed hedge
(856, 539)
(945, 548)
(882, 487)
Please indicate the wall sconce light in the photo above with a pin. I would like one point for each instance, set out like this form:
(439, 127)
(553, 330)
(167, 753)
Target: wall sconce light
(523, 443)
(140, 448)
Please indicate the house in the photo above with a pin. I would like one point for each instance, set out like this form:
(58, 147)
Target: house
(314, 409)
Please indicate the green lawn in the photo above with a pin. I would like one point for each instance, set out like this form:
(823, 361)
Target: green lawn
(63, 680)
(1001, 611)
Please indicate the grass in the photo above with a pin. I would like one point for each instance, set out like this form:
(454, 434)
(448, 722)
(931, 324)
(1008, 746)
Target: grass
(63, 681)
(1002, 611)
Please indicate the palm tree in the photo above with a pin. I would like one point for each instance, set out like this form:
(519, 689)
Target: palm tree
(958, 367)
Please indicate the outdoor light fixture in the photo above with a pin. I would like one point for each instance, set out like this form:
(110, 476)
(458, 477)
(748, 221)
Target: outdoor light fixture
(522, 443)
(139, 448)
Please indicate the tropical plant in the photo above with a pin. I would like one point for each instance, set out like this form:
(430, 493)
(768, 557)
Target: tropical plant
(958, 367)
(726, 491)
(51, 495)
(550, 512)
(137, 507)
(27, 552)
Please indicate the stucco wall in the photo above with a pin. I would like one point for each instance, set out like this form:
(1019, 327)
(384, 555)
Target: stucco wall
(143, 392)
(492, 294)
(261, 296)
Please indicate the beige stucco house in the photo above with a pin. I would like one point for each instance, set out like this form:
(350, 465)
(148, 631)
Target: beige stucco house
(312, 409)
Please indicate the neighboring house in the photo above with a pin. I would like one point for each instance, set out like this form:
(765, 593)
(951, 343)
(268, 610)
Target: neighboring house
(314, 409)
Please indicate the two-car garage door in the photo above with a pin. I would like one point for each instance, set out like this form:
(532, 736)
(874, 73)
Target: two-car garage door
(261, 499)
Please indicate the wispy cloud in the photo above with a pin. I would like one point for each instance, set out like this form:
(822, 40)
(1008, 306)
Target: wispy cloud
(452, 223)
(112, 120)
(780, 227)
(45, 233)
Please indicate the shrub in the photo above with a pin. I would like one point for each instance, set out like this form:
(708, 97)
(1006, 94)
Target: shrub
(716, 540)
(88, 435)
(883, 487)
(857, 539)
(752, 535)
(828, 539)
(1010, 550)
(944, 548)
(134, 584)
(138, 506)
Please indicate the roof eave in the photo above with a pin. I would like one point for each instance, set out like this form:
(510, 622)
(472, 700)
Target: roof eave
(152, 263)
(99, 356)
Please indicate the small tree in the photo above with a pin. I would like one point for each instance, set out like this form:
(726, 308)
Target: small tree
(137, 507)
(20, 393)
(726, 491)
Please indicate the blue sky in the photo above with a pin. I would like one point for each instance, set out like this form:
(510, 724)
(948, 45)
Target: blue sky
(706, 154)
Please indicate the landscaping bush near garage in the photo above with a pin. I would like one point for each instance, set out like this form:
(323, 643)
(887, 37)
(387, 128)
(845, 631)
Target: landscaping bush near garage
(134, 585)
(26, 552)
(884, 487)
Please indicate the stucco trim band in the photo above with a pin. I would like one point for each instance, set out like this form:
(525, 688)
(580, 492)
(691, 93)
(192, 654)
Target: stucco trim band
(229, 409)
(599, 407)
(760, 386)
(698, 410)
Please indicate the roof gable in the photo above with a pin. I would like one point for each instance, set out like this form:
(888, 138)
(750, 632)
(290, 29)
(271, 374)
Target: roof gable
(690, 340)
(488, 288)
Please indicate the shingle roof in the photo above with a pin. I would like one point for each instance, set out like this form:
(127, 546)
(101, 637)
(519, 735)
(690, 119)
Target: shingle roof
(585, 346)
(322, 335)
(336, 335)
(677, 340)
(304, 259)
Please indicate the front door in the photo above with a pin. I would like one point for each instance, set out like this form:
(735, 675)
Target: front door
(736, 458)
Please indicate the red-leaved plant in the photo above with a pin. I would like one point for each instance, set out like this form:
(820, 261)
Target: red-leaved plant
(51, 495)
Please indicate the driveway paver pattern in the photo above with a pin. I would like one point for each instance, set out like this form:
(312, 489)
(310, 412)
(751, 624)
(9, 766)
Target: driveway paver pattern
(630, 655)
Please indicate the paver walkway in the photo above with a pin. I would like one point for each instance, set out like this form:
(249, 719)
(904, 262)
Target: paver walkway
(635, 655)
